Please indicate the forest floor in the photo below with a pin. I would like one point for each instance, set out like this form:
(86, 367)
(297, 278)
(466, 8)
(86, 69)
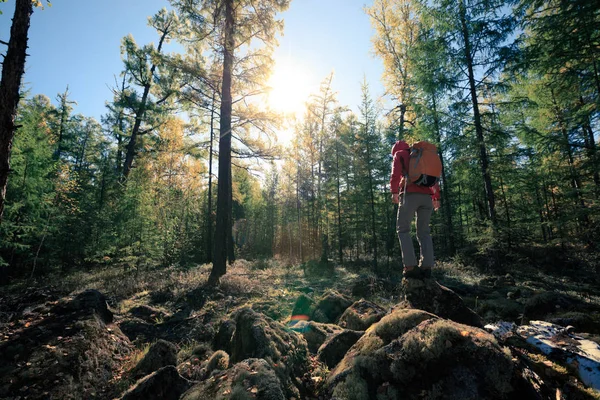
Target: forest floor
(172, 304)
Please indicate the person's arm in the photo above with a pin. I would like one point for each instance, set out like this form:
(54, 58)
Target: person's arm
(396, 173)
(435, 196)
(396, 177)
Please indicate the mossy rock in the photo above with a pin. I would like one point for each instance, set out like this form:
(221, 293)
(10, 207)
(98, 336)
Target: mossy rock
(430, 296)
(412, 354)
(160, 354)
(164, 384)
(316, 333)
(361, 315)
(333, 350)
(258, 336)
(148, 314)
(88, 302)
(330, 307)
(72, 351)
(249, 379)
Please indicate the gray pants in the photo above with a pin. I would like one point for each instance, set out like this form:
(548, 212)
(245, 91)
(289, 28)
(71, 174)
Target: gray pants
(422, 205)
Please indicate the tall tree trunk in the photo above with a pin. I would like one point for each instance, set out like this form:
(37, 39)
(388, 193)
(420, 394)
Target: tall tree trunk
(209, 217)
(549, 217)
(339, 202)
(140, 113)
(483, 157)
(223, 219)
(575, 180)
(541, 214)
(402, 108)
(13, 68)
(507, 208)
(230, 241)
(592, 154)
(445, 194)
(372, 199)
(299, 213)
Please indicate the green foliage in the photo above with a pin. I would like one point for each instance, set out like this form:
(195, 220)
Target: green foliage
(536, 96)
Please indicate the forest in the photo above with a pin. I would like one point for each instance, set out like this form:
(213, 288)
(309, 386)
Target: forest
(510, 98)
(184, 171)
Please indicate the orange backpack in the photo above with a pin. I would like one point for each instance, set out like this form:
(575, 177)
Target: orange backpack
(425, 166)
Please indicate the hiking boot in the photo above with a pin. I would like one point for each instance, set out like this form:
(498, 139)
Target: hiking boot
(411, 272)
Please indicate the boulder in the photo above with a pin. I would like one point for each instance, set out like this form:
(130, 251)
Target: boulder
(172, 330)
(336, 346)
(361, 315)
(258, 336)
(412, 354)
(249, 379)
(87, 302)
(147, 313)
(164, 384)
(315, 333)
(430, 296)
(222, 340)
(218, 361)
(160, 354)
(331, 306)
(71, 349)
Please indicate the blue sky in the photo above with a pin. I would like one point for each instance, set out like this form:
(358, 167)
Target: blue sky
(77, 43)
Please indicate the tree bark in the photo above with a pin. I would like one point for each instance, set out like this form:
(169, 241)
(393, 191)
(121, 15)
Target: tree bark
(339, 201)
(13, 68)
(223, 219)
(139, 115)
(483, 157)
(372, 200)
(445, 195)
(209, 217)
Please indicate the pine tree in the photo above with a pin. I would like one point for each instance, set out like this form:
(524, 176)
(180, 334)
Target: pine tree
(13, 68)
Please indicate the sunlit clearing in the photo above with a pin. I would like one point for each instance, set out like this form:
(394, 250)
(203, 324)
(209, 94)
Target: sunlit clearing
(290, 88)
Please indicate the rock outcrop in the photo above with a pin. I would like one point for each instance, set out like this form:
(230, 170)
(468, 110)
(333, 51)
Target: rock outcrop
(258, 336)
(411, 353)
(65, 350)
(335, 347)
(160, 354)
(361, 315)
(331, 306)
(164, 384)
(428, 295)
(252, 378)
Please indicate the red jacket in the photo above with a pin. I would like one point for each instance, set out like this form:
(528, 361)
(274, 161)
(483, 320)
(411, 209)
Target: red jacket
(401, 154)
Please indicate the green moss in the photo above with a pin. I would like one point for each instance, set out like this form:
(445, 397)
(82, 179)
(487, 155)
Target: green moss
(354, 387)
(218, 361)
(399, 322)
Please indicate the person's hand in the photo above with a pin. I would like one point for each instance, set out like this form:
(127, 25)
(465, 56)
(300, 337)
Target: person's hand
(436, 205)
(395, 198)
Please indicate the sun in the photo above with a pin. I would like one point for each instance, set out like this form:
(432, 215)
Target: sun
(289, 88)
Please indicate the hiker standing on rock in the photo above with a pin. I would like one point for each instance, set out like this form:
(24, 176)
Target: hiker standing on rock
(416, 192)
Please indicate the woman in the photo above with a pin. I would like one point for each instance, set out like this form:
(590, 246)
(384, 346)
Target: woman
(416, 200)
